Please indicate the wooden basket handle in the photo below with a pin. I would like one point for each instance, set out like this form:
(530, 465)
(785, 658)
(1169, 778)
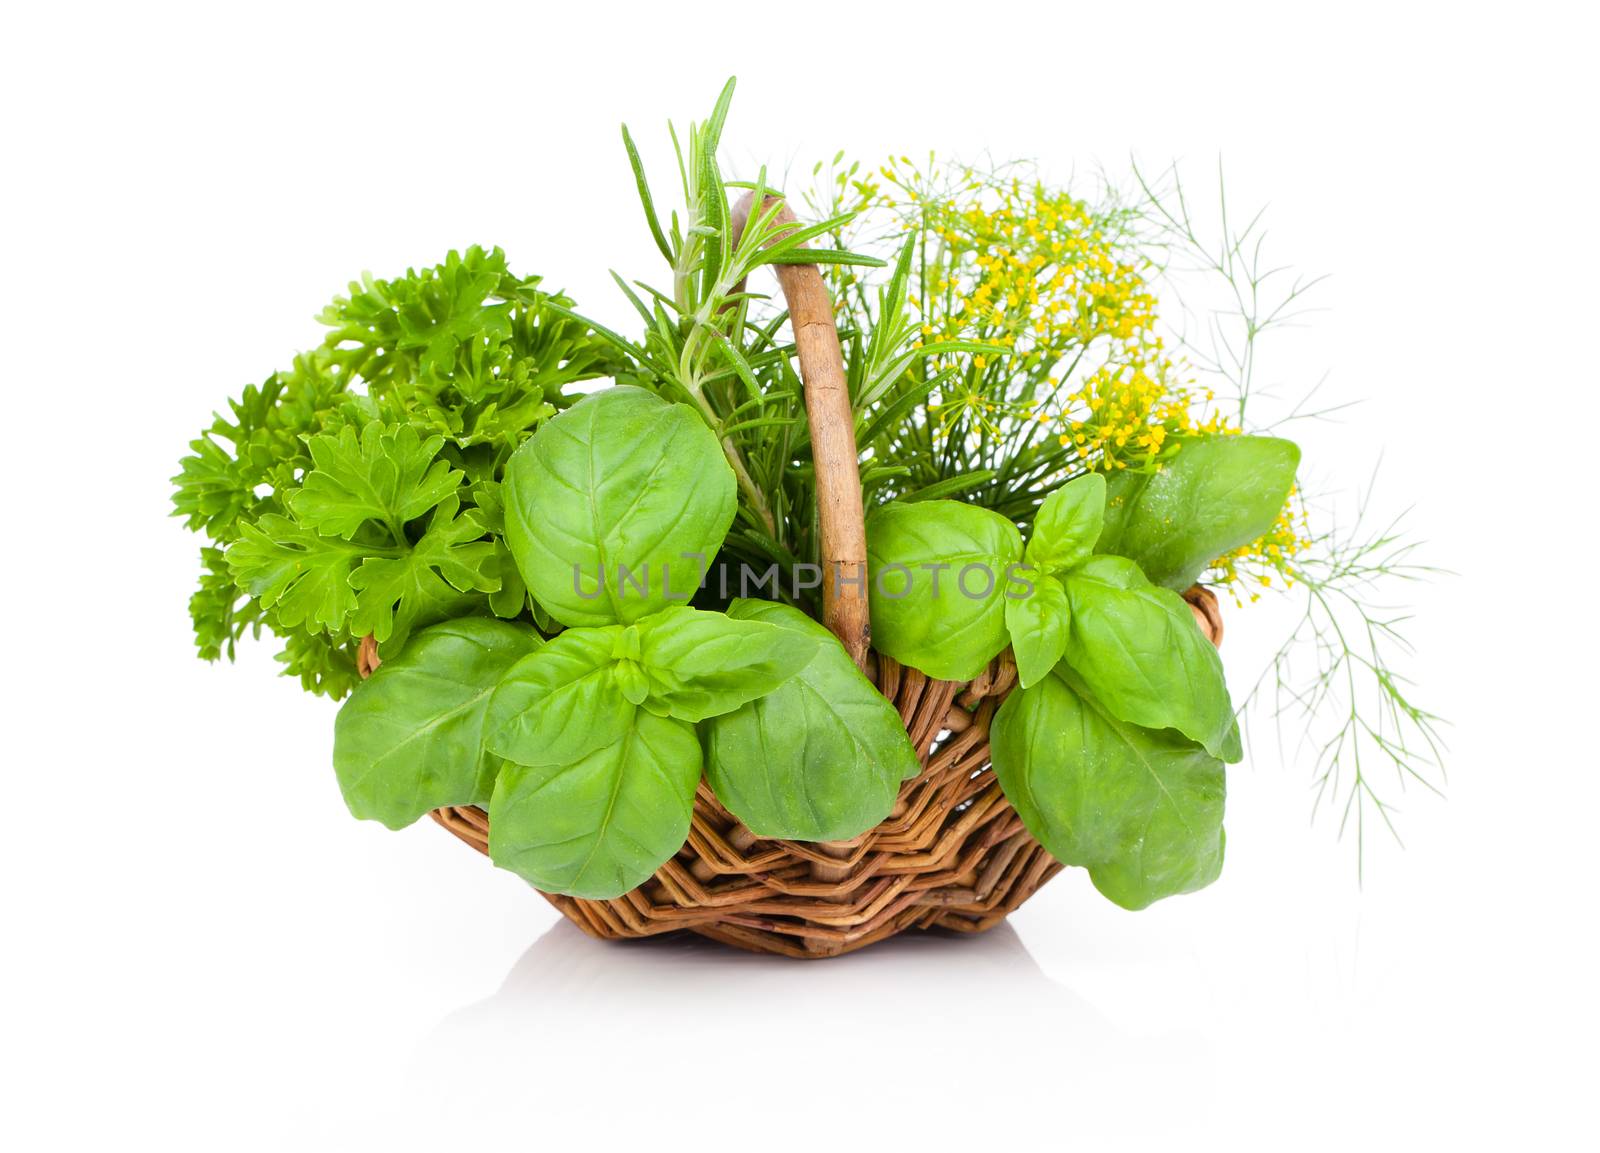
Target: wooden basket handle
(841, 519)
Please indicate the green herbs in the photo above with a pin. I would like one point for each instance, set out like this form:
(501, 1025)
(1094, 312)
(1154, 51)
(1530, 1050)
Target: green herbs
(412, 738)
(586, 748)
(660, 496)
(1141, 809)
(358, 492)
(821, 757)
(1215, 495)
(1113, 749)
(604, 719)
(939, 570)
(967, 587)
(709, 340)
(1069, 521)
(600, 825)
(600, 722)
(1138, 649)
(530, 566)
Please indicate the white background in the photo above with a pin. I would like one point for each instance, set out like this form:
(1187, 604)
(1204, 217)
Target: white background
(205, 952)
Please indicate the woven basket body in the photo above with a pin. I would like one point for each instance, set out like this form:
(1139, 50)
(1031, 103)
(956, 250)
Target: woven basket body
(952, 853)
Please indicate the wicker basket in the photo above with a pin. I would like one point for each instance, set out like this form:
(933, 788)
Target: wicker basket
(952, 853)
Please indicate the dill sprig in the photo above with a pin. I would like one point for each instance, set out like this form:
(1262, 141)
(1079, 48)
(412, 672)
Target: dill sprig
(1334, 677)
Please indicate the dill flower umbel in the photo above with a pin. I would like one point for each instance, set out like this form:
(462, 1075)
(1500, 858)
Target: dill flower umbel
(1043, 309)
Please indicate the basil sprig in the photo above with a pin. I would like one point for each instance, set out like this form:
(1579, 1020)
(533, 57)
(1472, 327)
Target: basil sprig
(1136, 645)
(600, 726)
(1112, 750)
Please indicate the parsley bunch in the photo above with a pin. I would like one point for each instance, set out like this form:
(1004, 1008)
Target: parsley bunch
(359, 491)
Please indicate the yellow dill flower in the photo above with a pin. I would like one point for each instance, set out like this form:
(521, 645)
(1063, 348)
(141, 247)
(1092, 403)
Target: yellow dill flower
(1060, 294)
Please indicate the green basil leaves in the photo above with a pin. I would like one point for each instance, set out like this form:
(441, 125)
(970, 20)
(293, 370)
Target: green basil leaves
(821, 757)
(1139, 651)
(1216, 494)
(700, 665)
(1134, 645)
(581, 690)
(588, 748)
(410, 739)
(939, 572)
(1037, 625)
(600, 825)
(561, 703)
(1064, 533)
(1068, 524)
(1112, 751)
(599, 723)
(614, 509)
(1140, 809)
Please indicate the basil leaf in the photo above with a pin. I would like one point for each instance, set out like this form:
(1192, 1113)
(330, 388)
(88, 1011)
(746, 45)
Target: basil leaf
(621, 480)
(702, 664)
(1038, 627)
(1068, 524)
(940, 570)
(821, 757)
(1138, 649)
(410, 738)
(1140, 809)
(562, 702)
(600, 825)
(1216, 494)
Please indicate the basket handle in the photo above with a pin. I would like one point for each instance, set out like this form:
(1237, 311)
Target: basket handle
(841, 519)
